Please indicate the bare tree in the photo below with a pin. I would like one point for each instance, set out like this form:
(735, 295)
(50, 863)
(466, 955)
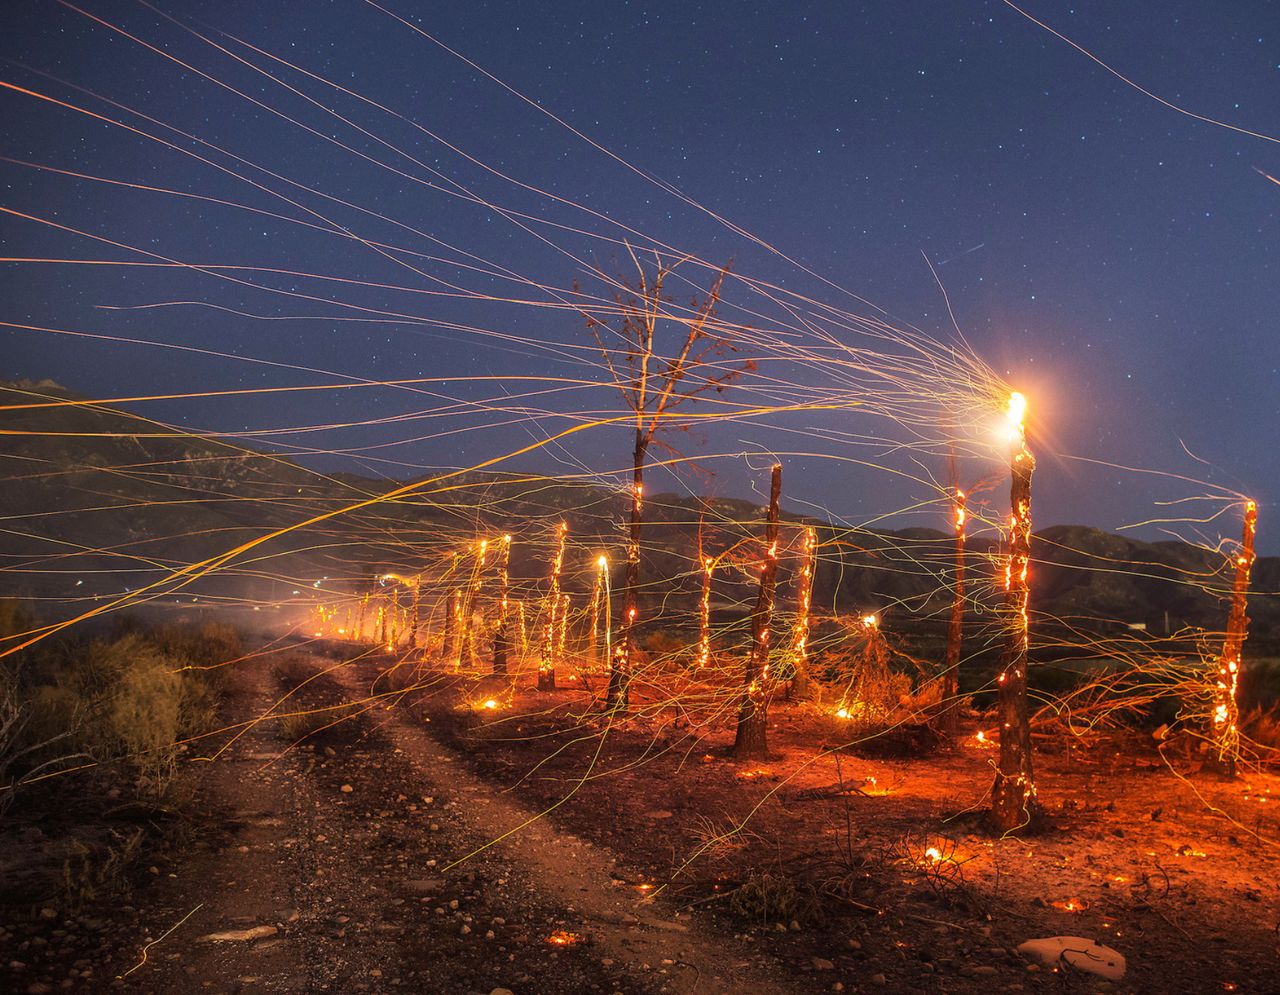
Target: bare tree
(1226, 709)
(1014, 804)
(955, 628)
(750, 742)
(654, 381)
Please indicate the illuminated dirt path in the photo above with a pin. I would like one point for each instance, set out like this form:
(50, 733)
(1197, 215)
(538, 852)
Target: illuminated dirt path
(331, 869)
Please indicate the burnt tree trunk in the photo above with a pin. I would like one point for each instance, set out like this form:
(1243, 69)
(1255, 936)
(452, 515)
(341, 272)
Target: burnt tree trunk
(798, 685)
(625, 648)
(415, 615)
(751, 741)
(1013, 796)
(1226, 708)
(449, 632)
(955, 631)
(547, 668)
(504, 606)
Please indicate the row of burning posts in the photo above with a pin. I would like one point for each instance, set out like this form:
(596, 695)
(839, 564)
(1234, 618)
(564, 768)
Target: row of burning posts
(1013, 804)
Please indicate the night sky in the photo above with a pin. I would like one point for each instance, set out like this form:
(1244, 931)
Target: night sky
(1112, 258)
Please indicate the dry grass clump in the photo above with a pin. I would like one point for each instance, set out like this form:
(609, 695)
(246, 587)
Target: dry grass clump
(125, 702)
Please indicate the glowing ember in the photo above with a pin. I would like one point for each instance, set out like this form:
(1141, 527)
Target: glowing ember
(563, 938)
(1070, 904)
(490, 704)
(1016, 414)
(933, 854)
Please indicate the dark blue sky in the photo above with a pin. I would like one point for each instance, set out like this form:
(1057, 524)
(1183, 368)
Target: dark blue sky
(1113, 258)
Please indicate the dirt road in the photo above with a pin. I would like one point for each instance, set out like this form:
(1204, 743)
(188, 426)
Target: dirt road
(341, 868)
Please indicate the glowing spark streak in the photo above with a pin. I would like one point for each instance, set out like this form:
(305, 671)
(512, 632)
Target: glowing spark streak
(158, 939)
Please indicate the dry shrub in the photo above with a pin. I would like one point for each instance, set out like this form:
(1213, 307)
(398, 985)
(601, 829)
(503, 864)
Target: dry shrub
(89, 875)
(1261, 727)
(137, 697)
(661, 643)
(768, 898)
(128, 699)
(293, 669)
(295, 727)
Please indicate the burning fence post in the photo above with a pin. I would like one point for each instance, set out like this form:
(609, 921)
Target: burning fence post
(596, 607)
(364, 605)
(547, 667)
(704, 604)
(624, 651)
(750, 742)
(955, 631)
(468, 651)
(798, 686)
(1226, 713)
(504, 594)
(1013, 796)
(415, 616)
(562, 632)
(457, 642)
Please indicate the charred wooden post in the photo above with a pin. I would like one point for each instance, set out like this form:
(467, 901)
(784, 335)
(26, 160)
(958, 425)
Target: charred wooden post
(468, 653)
(504, 607)
(798, 685)
(624, 649)
(955, 630)
(1226, 708)
(547, 666)
(455, 622)
(364, 605)
(750, 742)
(704, 603)
(562, 632)
(1013, 796)
(415, 615)
(596, 608)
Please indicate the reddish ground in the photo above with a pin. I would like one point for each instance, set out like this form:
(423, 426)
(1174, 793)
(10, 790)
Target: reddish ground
(427, 843)
(1178, 871)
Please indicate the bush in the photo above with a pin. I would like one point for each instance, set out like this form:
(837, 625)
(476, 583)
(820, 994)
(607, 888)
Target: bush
(775, 898)
(131, 698)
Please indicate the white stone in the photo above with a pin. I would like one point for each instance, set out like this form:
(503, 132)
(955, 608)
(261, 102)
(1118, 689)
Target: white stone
(1077, 952)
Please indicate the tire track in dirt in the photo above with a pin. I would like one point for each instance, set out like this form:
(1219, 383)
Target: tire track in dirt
(333, 864)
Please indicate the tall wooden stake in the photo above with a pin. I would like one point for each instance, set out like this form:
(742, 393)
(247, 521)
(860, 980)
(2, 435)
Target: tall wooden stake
(468, 651)
(504, 607)
(416, 615)
(704, 603)
(597, 607)
(624, 649)
(750, 742)
(547, 667)
(1013, 796)
(1226, 709)
(955, 631)
(798, 686)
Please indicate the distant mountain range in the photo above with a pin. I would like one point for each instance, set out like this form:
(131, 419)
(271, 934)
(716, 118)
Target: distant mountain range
(98, 502)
